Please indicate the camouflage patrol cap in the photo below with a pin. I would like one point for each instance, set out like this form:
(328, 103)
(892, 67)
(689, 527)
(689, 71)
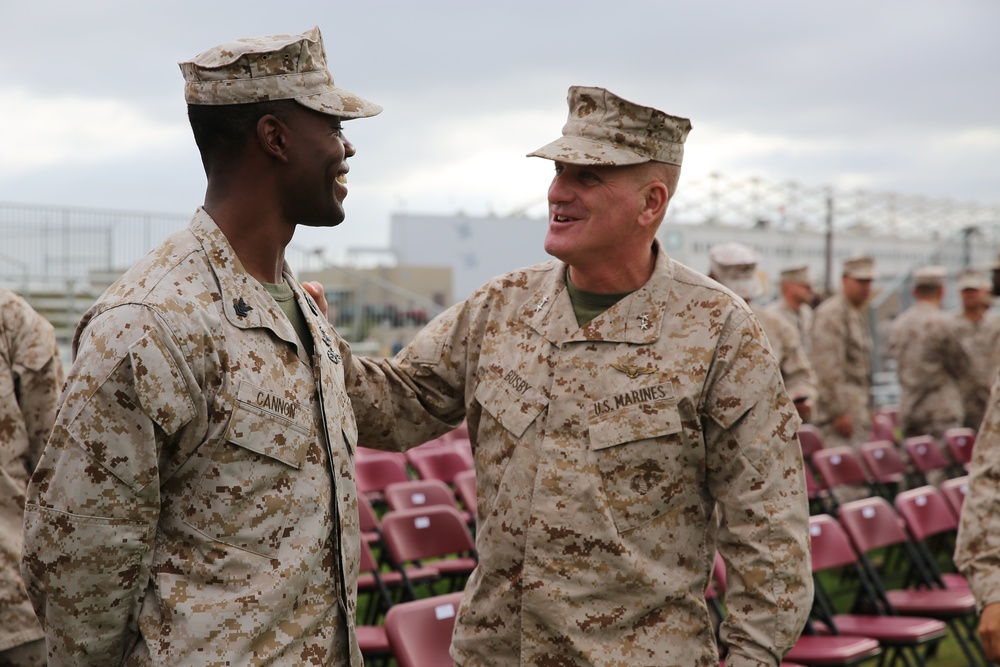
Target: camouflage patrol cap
(929, 276)
(735, 266)
(797, 274)
(972, 279)
(603, 129)
(860, 268)
(275, 67)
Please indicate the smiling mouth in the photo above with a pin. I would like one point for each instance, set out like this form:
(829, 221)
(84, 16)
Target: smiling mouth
(342, 179)
(560, 218)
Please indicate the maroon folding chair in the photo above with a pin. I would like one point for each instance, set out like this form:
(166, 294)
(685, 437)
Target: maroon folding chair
(820, 499)
(371, 528)
(437, 532)
(465, 489)
(874, 525)
(841, 467)
(886, 464)
(810, 440)
(954, 491)
(376, 470)
(419, 632)
(960, 442)
(901, 636)
(934, 528)
(438, 462)
(926, 456)
(421, 493)
(883, 427)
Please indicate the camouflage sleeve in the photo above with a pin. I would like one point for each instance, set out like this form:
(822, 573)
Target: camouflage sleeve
(417, 395)
(40, 374)
(754, 466)
(797, 372)
(94, 499)
(977, 550)
(829, 360)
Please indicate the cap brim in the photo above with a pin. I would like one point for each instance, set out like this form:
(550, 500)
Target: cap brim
(579, 150)
(341, 103)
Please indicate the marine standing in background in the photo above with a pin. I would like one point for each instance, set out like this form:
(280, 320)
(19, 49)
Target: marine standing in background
(795, 302)
(31, 377)
(931, 362)
(842, 357)
(977, 331)
(735, 265)
(618, 402)
(196, 502)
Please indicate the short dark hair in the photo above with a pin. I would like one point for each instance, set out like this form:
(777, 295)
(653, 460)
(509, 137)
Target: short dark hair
(221, 130)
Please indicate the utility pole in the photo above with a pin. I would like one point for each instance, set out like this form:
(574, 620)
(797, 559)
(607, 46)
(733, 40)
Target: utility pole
(828, 272)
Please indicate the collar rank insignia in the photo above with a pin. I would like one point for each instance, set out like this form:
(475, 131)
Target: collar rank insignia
(633, 371)
(241, 308)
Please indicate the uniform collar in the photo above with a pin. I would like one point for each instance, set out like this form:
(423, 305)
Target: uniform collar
(246, 303)
(637, 319)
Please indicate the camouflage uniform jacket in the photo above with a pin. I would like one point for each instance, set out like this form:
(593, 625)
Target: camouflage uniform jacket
(930, 362)
(801, 319)
(796, 371)
(842, 359)
(601, 454)
(979, 339)
(977, 550)
(196, 502)
(31, 378)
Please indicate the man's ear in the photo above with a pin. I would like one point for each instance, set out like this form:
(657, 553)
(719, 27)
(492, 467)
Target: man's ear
(272, 135)
(655, 200)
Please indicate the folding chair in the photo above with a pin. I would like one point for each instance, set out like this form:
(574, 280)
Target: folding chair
(433, 532)
(437, 462)
(376, 587)
(376, 470)
(874, 525)
(954, 491)
(901, 636)
(883, 427)
(927, 456)
(421, 493)
(465, 489)
(371, 528)
(934, 528)
(960, 442)
(821, 501)
(886, 464)
(840, 467)
(810, 440)
(419, 632)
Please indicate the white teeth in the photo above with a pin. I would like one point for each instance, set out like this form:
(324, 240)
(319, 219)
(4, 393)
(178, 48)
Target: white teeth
(342, 179)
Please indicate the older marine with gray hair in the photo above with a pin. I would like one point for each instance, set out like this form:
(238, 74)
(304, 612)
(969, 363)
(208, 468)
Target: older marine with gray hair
(617, 403)
(196, 502)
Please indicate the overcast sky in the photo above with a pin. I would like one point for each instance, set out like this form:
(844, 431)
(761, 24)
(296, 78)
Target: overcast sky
(896, 95)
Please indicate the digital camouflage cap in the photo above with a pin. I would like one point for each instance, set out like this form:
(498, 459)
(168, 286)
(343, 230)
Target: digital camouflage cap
(604, 129)
(275, 67)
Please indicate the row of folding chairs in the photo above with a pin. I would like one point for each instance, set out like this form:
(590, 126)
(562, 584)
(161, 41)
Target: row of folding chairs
(440, 459)
(876, 559)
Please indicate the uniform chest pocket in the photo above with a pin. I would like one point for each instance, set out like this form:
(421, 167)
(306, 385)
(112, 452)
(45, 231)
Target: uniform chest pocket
(643, 459)
(246, 495)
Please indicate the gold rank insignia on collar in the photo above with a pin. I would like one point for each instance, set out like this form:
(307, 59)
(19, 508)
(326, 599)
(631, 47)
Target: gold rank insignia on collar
(633, 371)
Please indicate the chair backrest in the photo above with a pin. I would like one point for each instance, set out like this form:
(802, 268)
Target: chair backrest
(419, 632)
(884, 460)
(925, 454)
(926, 512)
(872, 523)
(419, 493)
(810, 439)
(831, 547)
(954, 491)
(367, 519)
(438, 462)
(883, 427)
(839, 465)
(890, 411)
(375, 471)
(465, 488)
(960, 442)
(425, 532)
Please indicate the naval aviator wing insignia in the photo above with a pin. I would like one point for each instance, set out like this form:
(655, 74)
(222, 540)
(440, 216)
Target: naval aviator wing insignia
(633, 371)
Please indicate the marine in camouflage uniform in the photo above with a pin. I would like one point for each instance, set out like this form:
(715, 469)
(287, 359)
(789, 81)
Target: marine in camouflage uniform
(842, 358)
(608, 439)
(31, 377)
(196, 502)
(977, 550)
(793, 304)
(931, 361)
(977, 331)
(735, 266)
